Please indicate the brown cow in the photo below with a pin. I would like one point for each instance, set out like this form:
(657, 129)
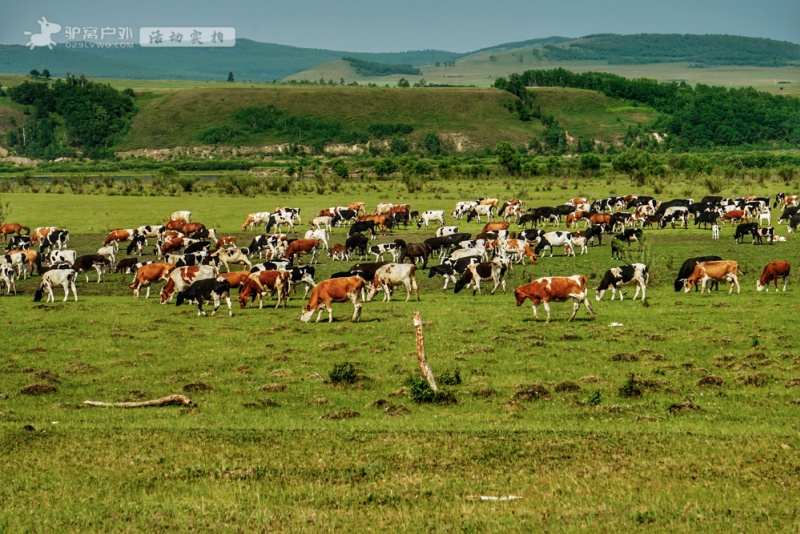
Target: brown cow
(555, 289)
(298, 246)
(600, 218)
(773, 271)
(718, 271)
(224, 242)
(263, 282)
(236, 278)
(735, 216)
(146, 274)
(12, 228)
(575, 216)
(117, 235)
(174, 225)
(495, 226)
(334, 290)
(171, 246)
(357, 207)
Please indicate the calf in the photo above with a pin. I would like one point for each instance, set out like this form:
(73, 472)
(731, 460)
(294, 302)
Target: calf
(338, 252)
(385, 248)
(773, 271)
(555, 289)
(616, 277)
(334, 290)
(723, 270)
(107, 252)
(210, 289)
(63, 277)
(390, 276)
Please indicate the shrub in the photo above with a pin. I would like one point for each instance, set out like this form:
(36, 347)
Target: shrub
(421, 392)
(343, 373)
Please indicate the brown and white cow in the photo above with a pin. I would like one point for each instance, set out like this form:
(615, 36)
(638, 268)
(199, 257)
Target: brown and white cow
(255, 218)
(358, 207)
(334, 290)
(517, 247)
(718, 271)
(182, 277)
(555, 289)
(735, 216)
(117, 235)
(392, 275)
(773, 271)
(236, 278)
(147, 274)
(299, 246)
(495, 226)
(263, 282)
(42, 232)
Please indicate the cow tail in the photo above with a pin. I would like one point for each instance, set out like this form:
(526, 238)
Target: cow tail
(27, 230)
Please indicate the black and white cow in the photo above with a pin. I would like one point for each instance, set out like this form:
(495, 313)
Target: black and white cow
(449, 269)
(208, 289)
(57, 277)
(302, 274)
(274, 265)
(555, 239)
(138, 242)
(494, 271)
(357, 243)
(61, 256)
(55, 239)
(385, 248)
(430, 215)
(616, 277)
(344, 216)
(88, 262)
(8, 276)
(362, 226)
(446, 230)
(706, 217)
(19, 242)
(278, 219)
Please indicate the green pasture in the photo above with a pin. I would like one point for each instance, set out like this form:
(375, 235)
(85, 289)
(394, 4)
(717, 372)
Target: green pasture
(678, 413)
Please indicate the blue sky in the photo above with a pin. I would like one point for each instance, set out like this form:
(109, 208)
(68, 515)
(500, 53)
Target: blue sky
(378, 26)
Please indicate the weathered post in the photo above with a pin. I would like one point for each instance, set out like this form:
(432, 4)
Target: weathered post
(422, 360)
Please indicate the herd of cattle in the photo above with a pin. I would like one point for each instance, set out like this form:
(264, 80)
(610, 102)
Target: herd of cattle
(188, 257)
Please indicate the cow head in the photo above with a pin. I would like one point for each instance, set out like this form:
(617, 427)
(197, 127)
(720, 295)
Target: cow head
(306, 314)
(37, 296)
(180, 299)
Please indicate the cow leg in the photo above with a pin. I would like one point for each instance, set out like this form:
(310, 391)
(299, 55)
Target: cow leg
(357, 304)
(74, 290)
(785, 280)
(415, 287)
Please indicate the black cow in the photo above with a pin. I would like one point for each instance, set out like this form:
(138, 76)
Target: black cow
(596, 230)
(788, 213)
(208, 289)
(19, 242)
(88, 262)
(343, 216)
(630, 235)
(439, 245)
(362, 226)
(129, 265)
(673, 203)
(745, 229)
(400, 217)
(531, 235)
(687, 268)
(357, 243)
(274, 265)
(200, 246)
(705, 218)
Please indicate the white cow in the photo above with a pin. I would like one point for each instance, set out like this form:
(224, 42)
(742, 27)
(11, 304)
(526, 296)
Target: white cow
(431, 215)
(319, 233)
(62, 277)
(182, 215)
(390, 276)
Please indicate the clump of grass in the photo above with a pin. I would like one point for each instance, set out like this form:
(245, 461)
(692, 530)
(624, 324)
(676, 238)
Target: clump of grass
(594, 399)
(37, 389)
(196, 386)
(532, 392)
(344, 413)
(451, 379)
(343, 373)
(567, 385)
(713, 381)
(631, 388)
(421, 392)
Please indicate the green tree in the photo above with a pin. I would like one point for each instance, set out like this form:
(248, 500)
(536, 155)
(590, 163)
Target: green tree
(385, 167)
(432, 143)
(339, 168)
(230, 77)
(402, 82)
(35, 73)
(590, 162)
(46, 74)
(508, 157)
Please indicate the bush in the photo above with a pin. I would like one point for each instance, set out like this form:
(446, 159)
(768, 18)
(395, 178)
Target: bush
(343, 373)
(421, 392)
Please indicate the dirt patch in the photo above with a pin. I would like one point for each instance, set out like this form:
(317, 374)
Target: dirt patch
(80, 368)
(757, 380)
(514, 406)
(197, 387)
(567, 385)
(711, 381)
(266, 403)
(589, 379)
(685, 406)
(48, 375)
(397, 409)
(402, 392)
(689, 365)
(344, 413)
(37, 389)
(36, 350)
(138, 394)
(658, 358)
(656, 337)
(273, 388)
(485, 392)
(793, 383)
(380, 403)
(281, 373)
(532, 392)
(571, 337)
(624, 357)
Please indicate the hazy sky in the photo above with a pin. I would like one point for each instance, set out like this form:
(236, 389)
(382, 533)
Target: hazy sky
(378, 25)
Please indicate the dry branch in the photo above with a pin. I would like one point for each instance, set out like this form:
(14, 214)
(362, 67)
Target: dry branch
(422, 360)
(164, 401)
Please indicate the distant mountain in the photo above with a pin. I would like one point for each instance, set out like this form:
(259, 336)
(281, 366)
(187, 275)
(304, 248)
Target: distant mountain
(253, 61)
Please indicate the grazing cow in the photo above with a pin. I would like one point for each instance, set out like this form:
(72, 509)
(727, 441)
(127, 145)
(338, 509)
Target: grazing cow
(253, 219)
(12, 228)
(449, 269)
(42, 232)
(343, 217)
(431, 215)
(338, 252)
(209, 289)
(130, 265)
(705, 218)
(194, 230)
(576, 216)
(235, 279)
(260, 243)
(593, 232)
(621, 219)
(722, 270)
(443, 231)
(57, 277)
(88, 262)
(515, 211)
(415, 252)
(334, 290)
(181, 215)
(616, 277)
(600, 218)
(463, 208)
(171, 246)
(486, 210)
(174, 225)
(7, 278)
(495, 226)
(278, 219)
(579, 241)
(108, 252)
(773, 271)
(555, 289)
(783, 200)
(136, 245)
(555, 239)
(300, 246)
(494, 271)
(745, 229)
(182, 277)
(117, 235)
(55, 239)
(768, 232)
(19, 242)
(149, 230)
(357, 207)
(357, 243)
(517, 247)
(735, 216)
(631, 235)
(294, 212)
(391, 275)
(226, 256)
(514, 202)
(363, 226)
(147, 274)
(385, 248)
(383, 208)
(196, 258)
(366, 270)
(229, 241)
(687, 268)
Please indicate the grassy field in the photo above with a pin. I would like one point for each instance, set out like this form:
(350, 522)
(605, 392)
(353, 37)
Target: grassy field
(544, 412)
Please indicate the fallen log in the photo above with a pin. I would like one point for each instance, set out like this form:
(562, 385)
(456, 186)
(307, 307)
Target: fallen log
(164, 401)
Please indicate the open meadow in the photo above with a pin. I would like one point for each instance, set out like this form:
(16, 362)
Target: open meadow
(677, 413)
